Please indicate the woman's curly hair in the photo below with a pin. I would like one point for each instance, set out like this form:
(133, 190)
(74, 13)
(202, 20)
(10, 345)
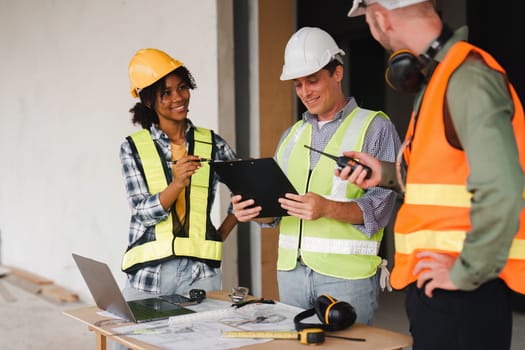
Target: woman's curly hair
(144, 111)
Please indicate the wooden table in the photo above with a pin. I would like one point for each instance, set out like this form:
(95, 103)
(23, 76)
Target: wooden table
(376, 338)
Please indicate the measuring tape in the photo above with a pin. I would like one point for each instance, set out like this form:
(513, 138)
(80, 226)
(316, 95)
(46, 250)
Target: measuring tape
(306, 336)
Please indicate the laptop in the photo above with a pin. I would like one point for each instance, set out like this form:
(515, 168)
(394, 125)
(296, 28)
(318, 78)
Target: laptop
(107, 295)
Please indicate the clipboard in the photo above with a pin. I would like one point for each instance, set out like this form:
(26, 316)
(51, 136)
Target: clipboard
(260, 179)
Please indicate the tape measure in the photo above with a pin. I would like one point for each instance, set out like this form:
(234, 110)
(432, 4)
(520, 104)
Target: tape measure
(306, 336)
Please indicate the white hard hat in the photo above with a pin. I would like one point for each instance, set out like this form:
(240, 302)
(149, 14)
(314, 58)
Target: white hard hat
(308, 51)
(358, 7)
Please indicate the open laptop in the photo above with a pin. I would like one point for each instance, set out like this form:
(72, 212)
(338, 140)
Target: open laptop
(107, 295)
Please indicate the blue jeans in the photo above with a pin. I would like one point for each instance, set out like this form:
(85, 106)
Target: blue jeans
(175, 278)
(302, 286)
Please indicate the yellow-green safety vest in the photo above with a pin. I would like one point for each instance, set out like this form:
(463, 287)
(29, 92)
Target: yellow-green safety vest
(203, 242)
(327, 246)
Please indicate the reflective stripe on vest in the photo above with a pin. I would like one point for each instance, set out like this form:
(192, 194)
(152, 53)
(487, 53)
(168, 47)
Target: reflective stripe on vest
(327, 246)
(438, 194)
(451, 241)
(165, 245)
(435, 213)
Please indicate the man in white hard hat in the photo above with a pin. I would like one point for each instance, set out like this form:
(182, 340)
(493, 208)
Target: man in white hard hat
(459, 240)
(330, 241)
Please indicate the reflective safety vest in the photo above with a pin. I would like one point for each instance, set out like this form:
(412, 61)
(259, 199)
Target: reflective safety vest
(435, 212)
(327, 246)
(202, 240)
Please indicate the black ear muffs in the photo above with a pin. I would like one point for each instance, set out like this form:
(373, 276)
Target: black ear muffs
(404, 71)
(334, 315)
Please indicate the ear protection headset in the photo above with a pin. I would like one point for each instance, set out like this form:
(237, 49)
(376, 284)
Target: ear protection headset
(404, 71)
(334, 315)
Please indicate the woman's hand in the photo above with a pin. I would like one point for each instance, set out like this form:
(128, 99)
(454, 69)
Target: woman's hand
(244, 210)
(184, 168)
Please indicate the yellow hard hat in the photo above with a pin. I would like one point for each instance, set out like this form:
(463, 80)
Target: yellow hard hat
(147, 67)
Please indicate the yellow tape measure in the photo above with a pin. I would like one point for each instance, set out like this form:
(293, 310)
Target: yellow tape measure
(306, 336)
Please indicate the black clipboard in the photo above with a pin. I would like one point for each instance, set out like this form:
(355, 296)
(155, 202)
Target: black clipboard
(260, 179)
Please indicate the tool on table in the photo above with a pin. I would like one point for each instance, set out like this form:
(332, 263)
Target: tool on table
(238, 294)
(258, 319)
(197, 295)
(253, 301)
(269, 318)
(307, 336)
(343, 161)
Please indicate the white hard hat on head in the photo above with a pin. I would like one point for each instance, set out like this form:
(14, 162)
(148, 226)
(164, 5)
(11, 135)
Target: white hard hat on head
(308, 51)
(358, 6)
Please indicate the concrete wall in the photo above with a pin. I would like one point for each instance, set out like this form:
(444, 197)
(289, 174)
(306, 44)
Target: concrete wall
(64, 113)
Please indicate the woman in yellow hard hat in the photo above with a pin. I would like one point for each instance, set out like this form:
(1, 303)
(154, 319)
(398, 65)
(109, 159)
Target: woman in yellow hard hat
(173, 245)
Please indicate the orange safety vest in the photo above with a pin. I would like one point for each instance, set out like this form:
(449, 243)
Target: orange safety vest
(435, 212)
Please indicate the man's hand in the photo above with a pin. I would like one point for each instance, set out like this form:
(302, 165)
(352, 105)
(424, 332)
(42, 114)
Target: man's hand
(357, 176)
(310, 206)
(433, 269)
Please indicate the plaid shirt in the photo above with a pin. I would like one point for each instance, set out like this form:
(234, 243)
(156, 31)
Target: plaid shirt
(146, 210)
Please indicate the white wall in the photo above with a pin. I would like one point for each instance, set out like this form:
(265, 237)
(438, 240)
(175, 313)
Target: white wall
(64, 112)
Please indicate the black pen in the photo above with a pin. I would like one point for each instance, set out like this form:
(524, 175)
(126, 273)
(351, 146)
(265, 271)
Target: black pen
(196, 160)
